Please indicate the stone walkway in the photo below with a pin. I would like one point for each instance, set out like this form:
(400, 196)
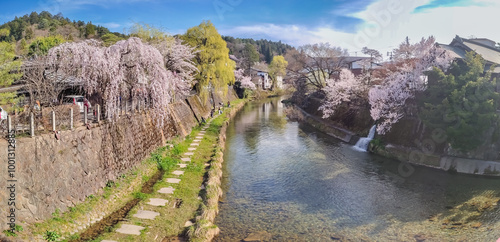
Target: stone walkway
(130, 229)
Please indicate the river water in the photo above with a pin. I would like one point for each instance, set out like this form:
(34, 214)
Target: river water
(290, 182)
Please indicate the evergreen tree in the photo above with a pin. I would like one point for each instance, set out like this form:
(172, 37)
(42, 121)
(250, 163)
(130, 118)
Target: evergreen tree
(463, 103)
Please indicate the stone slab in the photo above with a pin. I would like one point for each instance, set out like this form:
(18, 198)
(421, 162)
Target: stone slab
(201, 132)
(130, 229)
(185, 159)
(182, 165)
(188, 223)
(197, 140)
(144, 214)
(199, 137)
(157, 202)
(178, 173)
(194, 144)
(191, 149)
(189, 154)
(167, 190)
(173, 180)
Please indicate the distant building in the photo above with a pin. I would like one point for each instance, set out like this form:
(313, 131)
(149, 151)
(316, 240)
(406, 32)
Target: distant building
(484, 47)
(279, 82)
(261, 78)
(358, 65)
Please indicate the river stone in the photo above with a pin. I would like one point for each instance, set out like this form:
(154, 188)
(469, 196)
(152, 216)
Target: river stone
(167, 190)
(130, 229)
(173, 180)
(178, 173)
(258, 237)
(146, 214)
(182, 165)
(157, 202)
(189, 154)
(186, 159)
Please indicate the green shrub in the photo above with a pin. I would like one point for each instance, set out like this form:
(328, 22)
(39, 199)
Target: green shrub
(51, 236)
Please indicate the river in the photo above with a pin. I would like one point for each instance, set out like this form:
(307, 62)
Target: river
(289, 182)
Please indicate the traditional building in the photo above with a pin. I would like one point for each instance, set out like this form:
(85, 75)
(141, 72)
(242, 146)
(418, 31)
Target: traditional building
(484, 47)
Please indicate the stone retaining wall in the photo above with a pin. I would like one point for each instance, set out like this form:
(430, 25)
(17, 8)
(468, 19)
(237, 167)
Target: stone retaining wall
(56, 174)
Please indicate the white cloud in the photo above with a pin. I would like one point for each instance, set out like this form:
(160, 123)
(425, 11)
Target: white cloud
(387, 23)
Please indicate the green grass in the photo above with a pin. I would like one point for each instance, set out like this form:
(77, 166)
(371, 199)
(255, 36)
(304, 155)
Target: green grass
(127, 187)
(172, 220)
(63, 223)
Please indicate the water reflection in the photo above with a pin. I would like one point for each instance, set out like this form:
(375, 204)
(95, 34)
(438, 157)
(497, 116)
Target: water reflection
(300, 185)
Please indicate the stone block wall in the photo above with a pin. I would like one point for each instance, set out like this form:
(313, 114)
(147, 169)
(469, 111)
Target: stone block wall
(56, 174)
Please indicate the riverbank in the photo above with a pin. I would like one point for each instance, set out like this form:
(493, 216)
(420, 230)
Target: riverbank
(204, 228)
(403, 154)
(69, 225)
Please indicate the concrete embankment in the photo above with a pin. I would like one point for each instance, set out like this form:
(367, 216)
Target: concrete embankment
(404, 154)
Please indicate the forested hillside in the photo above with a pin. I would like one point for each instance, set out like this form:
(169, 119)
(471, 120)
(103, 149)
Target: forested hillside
(26, 29)
(266, 49)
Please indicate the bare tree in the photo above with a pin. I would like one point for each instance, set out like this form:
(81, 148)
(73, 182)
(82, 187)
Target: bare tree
(316, 63)
(43, 86)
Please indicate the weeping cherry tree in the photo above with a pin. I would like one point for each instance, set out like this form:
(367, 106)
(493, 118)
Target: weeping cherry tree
(127, 69)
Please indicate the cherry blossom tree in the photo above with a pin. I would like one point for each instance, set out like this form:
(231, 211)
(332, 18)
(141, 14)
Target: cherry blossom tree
(127, 69)
(178, 59)
(403, 79)
(246, 81)
(341, 90)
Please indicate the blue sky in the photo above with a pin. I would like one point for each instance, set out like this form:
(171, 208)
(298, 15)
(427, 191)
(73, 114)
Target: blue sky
(352, 24)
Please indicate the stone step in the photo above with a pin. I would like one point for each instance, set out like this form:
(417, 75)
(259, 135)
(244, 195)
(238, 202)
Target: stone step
(191, 149)
(178, 173)
(182, 165)
(194, 144)
(173, 180)
(189, 154)
(167, 190)
(199, 137)
(144, 214)
(157, 202)
(185, 159)
(130, 229)
(108, 240)
(197, 140)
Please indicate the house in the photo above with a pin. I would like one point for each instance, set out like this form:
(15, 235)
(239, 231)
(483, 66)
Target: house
(482, 46)
(358, 65)
(486, 48)
(261, 78)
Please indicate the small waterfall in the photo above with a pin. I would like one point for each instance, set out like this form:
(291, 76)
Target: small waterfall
(362, 144)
